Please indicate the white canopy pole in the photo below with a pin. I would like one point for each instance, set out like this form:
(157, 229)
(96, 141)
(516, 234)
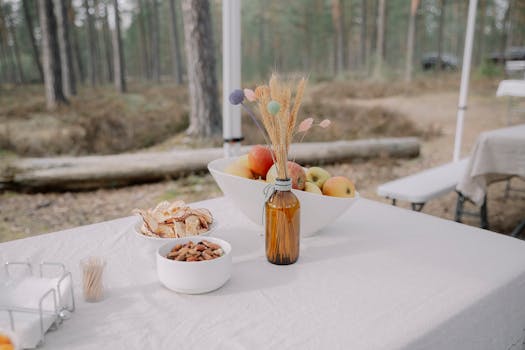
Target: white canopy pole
(231, 75)
(465, 75)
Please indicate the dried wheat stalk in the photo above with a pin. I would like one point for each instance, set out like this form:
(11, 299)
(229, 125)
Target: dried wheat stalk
(280, 127)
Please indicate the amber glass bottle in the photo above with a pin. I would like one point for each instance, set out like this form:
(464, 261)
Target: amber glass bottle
(282, 225)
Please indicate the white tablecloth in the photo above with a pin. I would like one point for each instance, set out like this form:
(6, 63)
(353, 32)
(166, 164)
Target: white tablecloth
(380, 277)
(498, 154)
(515, 88)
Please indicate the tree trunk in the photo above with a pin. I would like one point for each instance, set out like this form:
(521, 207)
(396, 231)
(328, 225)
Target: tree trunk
(106, 34)
(337, 22)
(307, 37)
(78, 56)
(99, 62)
(93, 172)
(363, 33)
(351, 58)
(385, 30)
(378, 69)
(64, 44)
(205, 116)
(10, 51)
(462, 13)
(92, 58)
(50, 55)
(31, 31)
(118, 55)
(176, 62)
(143, 25)
(505, 29)
(262, 37)
(409, 66)
(439, 61)
(4, 62)
(155, 44)
(16, 49)
(478, 57)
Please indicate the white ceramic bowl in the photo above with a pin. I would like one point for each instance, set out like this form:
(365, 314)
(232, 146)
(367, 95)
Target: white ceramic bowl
(156, 242)
(195, 277)
(317, 211)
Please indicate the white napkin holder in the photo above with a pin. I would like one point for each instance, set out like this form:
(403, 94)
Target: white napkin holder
(31, 305)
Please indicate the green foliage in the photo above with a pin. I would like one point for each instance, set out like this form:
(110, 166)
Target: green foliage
(288, 36)
(489, 69)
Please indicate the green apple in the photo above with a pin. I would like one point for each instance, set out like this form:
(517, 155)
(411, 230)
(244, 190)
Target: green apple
(317, 176)
(312, 188)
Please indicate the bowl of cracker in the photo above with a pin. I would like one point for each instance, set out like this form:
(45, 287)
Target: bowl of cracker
(169, 221)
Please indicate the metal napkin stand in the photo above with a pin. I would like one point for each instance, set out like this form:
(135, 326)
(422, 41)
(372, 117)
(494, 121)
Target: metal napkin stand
(62, 308)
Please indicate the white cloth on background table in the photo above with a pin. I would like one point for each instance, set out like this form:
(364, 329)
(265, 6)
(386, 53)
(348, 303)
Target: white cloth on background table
(380, 277)
(514, 88)
(497, 155)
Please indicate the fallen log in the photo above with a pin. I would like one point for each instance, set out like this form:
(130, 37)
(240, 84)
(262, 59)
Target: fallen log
(91, 172)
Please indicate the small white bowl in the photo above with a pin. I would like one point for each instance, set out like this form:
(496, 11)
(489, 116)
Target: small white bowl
(317, 211)
(156, 242)
(194, 277)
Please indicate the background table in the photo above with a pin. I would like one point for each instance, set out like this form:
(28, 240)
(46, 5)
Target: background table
(380, 277)
(497, 155)
(512, 89)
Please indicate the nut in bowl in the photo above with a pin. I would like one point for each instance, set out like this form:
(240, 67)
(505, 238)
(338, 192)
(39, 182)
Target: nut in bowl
(317, 210)
(169, 221)
(180, 270)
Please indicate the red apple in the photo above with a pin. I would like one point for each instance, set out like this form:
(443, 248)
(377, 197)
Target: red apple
(260, 160)
(295, 172)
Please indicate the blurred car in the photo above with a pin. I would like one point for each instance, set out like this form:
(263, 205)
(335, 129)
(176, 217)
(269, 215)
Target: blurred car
(431, 61)
(515, 53)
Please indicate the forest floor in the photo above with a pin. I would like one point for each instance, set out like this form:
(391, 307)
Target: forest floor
(430, 114)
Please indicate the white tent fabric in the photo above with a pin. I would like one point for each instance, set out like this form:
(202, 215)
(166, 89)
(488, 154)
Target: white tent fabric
(465, 75)
(231, 75)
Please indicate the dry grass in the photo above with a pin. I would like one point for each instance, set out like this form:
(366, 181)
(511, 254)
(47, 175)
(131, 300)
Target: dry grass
(97, 121)
(101, 121)
(369, 89)
(349, 122)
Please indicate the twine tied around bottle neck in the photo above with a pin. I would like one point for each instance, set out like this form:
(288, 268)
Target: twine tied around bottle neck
(279, 185)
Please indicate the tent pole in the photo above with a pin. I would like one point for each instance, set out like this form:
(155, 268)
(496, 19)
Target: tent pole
(231, 75)
(465, 75)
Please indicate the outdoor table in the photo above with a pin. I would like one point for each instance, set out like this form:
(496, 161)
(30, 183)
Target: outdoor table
(498, 155)
(379, 277)
(512, 89)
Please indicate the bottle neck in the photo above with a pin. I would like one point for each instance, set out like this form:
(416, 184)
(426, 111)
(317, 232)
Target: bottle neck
(283, 185)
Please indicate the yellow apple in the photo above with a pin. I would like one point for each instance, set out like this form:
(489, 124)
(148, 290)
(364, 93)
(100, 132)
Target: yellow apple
(238, 169)
(312, 188)
(317, 176)
(244, 161)
(339, 186)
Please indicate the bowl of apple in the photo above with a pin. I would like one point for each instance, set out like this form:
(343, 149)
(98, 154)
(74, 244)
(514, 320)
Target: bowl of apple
(323, 197)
